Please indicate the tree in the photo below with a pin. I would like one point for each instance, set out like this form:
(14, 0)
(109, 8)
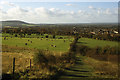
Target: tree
(16, 35)
(46, 36)
(54, 36)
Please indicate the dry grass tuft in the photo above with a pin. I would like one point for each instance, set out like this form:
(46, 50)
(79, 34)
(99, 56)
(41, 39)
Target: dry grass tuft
(103, 69)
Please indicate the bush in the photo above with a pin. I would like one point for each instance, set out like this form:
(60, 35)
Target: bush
(98, 50)
(39, 58)
(16, 35)
(106, 50)
(60, 38)
(51, 59)
(73, 47)
(83, 49)
(54, 36)
(46, 36)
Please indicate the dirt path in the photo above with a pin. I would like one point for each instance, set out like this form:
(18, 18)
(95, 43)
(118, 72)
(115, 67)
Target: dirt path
(79, 70)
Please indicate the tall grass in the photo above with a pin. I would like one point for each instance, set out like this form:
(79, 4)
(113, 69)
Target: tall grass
(103, 60)
(103, 69)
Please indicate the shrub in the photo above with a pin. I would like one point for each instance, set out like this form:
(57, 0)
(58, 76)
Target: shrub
(51, 59)
(63, 59)
(60, 38)
(114, 50)
(46, 36)
(54, 36)
(98, 50)
(72, 47)
(29, 33)
(26, 44)
(106, 50)
(39, 58)
(16, 35)
(83, 49)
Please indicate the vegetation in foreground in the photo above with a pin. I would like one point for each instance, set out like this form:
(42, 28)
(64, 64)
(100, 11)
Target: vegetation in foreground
(102, 69)
(102, 56)
(46, 64)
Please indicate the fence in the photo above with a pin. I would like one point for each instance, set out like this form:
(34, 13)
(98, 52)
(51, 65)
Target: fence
(15, 65)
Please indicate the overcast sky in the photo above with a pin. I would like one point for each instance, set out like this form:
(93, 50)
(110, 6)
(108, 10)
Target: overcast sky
(60, 12)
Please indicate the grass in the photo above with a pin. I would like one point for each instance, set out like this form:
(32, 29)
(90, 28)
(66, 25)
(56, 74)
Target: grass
(84, 64)
(37, 43)
(22, 61)
(93, 42)
(103, 69)
(78, 70)
(22, 66)
(16, 47)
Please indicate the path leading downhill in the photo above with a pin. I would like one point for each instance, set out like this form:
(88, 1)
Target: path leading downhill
(79, 70)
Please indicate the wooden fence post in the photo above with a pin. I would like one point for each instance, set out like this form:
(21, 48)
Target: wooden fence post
(13, 65)
(30, 63)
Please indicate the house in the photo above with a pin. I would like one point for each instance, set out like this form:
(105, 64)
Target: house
(92, 32)
(115, 32)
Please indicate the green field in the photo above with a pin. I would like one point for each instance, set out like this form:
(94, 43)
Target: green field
(39, 43)
(93, 42)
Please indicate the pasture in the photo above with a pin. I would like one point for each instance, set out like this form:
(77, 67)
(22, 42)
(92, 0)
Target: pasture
(26, 47)
(93, 42)
(61, 45)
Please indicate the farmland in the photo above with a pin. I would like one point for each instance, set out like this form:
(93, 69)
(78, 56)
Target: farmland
(56, 49)
(94, 43)
(62, 45)
(59, 41)
(27, 47)
(39, 43)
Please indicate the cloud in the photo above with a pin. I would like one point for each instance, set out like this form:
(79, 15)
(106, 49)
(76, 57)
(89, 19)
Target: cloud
(52, 9)
(69, 4)
(91, 7)
(107, 11)
(55, 15)
(103, 11)
(7, 3)
(1, 7)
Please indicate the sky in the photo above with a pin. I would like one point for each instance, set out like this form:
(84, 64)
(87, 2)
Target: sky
(60, 12)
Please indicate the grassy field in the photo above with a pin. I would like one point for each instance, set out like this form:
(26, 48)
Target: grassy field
(82, 68)
(61, 45)
(93, 42)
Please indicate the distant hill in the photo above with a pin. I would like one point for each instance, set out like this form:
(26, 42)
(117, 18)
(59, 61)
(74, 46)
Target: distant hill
(18, 23)
(13, 23)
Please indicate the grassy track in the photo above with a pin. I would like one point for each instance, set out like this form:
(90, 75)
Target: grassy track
(93, 42)
(78, 71)
(87, 68)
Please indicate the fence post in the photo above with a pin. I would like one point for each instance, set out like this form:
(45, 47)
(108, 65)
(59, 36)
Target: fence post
(30, 63)
(13, 65)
